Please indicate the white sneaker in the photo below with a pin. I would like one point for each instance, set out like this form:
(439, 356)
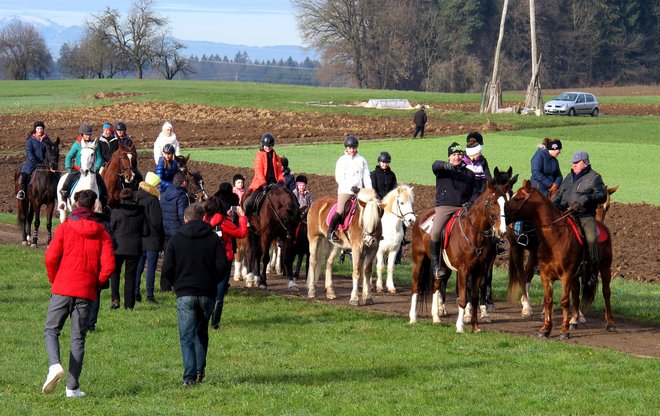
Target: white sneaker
(55, 374)
(74, 393)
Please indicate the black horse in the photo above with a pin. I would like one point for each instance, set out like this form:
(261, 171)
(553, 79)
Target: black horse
(41, 190)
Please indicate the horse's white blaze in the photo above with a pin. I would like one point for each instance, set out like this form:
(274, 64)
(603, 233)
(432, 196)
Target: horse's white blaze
(413, 309)
(502, 228)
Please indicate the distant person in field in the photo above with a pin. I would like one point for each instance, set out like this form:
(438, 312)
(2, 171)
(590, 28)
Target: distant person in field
(35, 155)
(79, 262)
(166, 136)
(546, 174)
(267, 171)
(194, 262)
(420, 120)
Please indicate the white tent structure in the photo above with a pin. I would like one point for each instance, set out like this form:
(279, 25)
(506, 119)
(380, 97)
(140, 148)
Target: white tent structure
(395, 103)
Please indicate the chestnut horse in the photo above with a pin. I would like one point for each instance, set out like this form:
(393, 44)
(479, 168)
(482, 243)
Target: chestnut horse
(470, 251)
(41, 190)
(361, 238)
(277, 218)
(119, 173)
(523, 245)
(561, 256)
(196, 190)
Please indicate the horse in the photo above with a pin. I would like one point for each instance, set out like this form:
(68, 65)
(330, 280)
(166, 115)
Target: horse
(301, 244)
(523, 262)
(87, 180)
(361, 237)
(119, 173)
(469, 251)
(277, 217)
(41, 190)
(397, 212)
(196, 190)
(561, 257)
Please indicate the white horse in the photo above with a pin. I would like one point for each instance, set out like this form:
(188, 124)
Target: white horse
(398, 211)
(87, 180)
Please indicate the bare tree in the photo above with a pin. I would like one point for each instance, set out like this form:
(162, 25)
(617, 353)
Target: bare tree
(168, 60)
(91, 57)
(23, 52)
(137, 36)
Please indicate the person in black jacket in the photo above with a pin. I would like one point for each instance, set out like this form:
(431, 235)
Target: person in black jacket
(128, 226)
(455, 186)
(581, 192)
(383, 179)
(147, 197)
(194, 261)
(420, 120)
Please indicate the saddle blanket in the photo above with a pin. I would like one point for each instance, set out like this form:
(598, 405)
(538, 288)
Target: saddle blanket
(348, 217)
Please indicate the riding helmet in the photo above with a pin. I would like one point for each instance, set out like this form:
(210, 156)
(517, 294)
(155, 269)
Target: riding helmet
(351, 141)
(301, 178)
(120, 126)
(169, 149)
(85, 129)
(384, 157)
(267, 140)
(39, 123)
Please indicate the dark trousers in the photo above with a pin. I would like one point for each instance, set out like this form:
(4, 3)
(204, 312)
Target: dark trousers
(165, 285)
(419, 130)
(129, 279)
(94, 311)
(150, 258)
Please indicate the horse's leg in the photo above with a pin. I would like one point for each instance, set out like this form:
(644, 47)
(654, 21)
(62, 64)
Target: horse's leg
(329, 290)
(36, 220)
(416, 270)
(314, 267)
(380, 262)
(367, 268)
(50, 207)
(565, 305)
(358, 261)
(547, 305)
(391, 258)
(476, 277)
(262, 260)
(606, 278)
(461, 281)
(443, 294)
(575, 307)
(437, 303)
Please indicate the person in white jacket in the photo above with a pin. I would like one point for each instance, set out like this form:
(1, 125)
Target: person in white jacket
(351, 174)
(166, 136)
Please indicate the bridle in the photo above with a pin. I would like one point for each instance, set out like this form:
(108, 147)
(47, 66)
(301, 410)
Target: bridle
(534, 227)
(487, 233)
(401, 215)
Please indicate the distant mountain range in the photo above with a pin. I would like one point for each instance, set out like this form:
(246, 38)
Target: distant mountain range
(56, 35)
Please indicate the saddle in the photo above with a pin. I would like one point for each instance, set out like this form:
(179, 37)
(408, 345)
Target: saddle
(349, 213)
(427, 225)
(601, 233)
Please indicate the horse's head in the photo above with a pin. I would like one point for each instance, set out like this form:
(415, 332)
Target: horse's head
(126, 163)
(524, 203)
(400, 202)
(196, 190)
(53, 155)
(87, 159)
(370, 214)
(602, 209)
(182, 162)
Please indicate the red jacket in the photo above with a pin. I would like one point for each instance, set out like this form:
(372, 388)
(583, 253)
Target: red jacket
(80, 258)
(229, 229)
(260, 167)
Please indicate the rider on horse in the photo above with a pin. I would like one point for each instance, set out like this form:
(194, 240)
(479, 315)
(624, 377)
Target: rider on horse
(267, 170)
(455, 186)
(351, 174)
(302, 194)
(35, 152)
(581, 192)
(475, 160)
(546, 174)
(72, 164)
(167, 167)
(109, 143)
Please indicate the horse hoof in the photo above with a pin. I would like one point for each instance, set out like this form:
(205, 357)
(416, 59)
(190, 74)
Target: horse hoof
(436, 321)
(24, 243)
(572, 326)
(292, 286)
(582, 319)
(563, 336)
(33, 245)
(476, 331)
(237, 279)
(460, 330)
(544, 334)
(354, 302)
(527, 314)
(485, 319)
(262, 286)
(392, 291)
(611, 328)
(248, 284)
(369, 301)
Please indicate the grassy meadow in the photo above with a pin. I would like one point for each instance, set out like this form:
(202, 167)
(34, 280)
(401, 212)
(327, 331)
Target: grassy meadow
(278, 355)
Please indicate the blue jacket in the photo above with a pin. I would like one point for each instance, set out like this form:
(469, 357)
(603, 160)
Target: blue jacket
(545, 171)
(166, 174)
(173, 203)
(35, 152)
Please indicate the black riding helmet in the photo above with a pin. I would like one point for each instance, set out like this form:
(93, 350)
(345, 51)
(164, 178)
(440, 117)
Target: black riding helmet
(267, 140)
(301, 178)
(120, 126)
(169, 149)
(384, 157)
(351, 141)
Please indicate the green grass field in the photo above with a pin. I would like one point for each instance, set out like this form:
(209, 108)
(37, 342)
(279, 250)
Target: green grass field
(281, 356)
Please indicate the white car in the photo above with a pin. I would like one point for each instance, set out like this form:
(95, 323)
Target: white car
(573, 103)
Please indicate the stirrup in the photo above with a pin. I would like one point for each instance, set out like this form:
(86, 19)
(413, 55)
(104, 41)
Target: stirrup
(333, 237)
(20, 194)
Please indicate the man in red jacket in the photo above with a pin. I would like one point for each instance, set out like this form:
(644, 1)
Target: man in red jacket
(79, 261)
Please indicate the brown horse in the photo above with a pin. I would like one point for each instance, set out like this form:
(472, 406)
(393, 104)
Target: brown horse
(470, 252)
(196, 190)
(361, 238)
(42, 190)
(560, 256)
(523, 245)
(277, 218)
(119, 173)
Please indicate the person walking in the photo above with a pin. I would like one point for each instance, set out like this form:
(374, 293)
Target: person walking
(173, 203)
(194, 262)
(420, 120)
(147, 196)
(35, 155)
(546, 174)
(79, 261)
(581, 192)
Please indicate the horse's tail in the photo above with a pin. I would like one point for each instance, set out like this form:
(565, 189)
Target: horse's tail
(424, 282)
(514, 273)
(588, 293)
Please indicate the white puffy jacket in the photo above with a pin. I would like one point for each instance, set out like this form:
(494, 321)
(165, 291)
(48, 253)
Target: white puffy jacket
(350, 172)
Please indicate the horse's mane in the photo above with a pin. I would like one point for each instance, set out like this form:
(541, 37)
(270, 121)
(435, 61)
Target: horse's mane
(367, 194)
(405, 192)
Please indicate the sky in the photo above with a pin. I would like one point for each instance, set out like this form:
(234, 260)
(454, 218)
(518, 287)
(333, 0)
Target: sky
(243, 22)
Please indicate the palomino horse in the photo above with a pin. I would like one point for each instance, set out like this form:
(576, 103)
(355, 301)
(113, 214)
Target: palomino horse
(523, 245)
(397, 212)
(87, 180)
(41, 190)
(470, 251)
(561, 256)
(120, 173)
(361, 238)
(277, 218)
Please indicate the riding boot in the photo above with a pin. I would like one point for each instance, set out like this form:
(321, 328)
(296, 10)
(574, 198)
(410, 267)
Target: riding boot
(436, 262)
(217, 315)
(334, 222)
(22, 182)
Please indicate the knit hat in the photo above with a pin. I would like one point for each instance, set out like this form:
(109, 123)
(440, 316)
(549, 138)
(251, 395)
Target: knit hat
(580, 155)
(167, 125)
(107, 126)
(454, 148)
(126, 193)
(152, 179)
(554, 144)
(39, 123)
(85, 129)
(473, 150)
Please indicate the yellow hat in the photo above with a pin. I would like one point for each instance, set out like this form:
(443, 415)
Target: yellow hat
(152, 179)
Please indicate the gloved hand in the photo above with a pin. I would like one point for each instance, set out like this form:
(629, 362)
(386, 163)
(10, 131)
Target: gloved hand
(575, 206)
(264, 187)
(355, 189)
(553, 188)
(280, 184)
(466, 205)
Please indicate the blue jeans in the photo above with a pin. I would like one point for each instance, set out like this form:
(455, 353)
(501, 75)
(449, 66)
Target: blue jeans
(150, 258)
(193, 314)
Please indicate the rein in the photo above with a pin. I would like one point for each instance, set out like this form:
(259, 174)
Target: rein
(279, 220)
(550, 224)
(401, 215)
(487, 233)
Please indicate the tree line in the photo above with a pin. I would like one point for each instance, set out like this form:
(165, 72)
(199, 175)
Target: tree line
(448, 45)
